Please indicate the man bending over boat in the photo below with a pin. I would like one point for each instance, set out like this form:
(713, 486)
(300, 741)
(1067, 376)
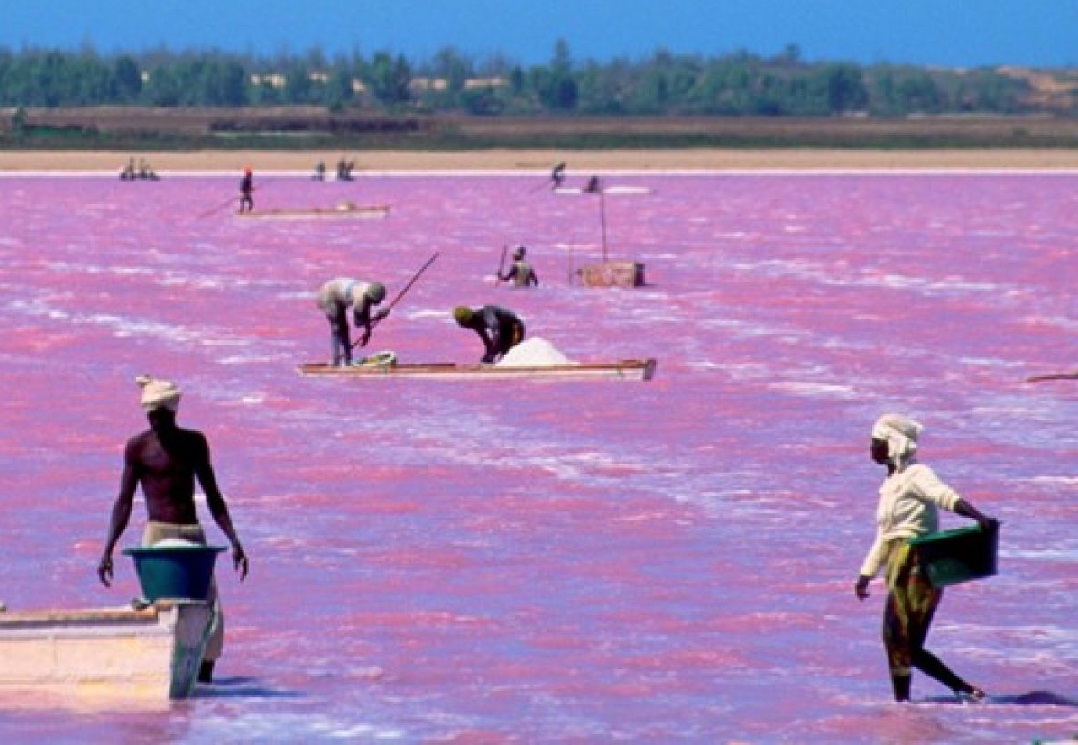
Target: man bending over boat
(166, 460)
(520, 272)
(500, 329)
(335, 298)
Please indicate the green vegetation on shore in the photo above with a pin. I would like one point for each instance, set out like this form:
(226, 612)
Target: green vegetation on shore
(164, 100)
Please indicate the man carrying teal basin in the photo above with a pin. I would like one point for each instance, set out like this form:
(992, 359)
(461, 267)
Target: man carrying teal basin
(166, 460)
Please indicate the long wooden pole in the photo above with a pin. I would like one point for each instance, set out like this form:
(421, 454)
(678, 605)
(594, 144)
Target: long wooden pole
(501, 262)
(412, 281)
(1052, 376)
(602, 220)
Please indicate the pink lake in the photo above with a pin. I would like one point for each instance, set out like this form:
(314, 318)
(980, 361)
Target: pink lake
(525, 562)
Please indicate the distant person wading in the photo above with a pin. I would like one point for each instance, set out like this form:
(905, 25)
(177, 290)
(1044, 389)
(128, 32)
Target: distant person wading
(521, 273)
(247, 188)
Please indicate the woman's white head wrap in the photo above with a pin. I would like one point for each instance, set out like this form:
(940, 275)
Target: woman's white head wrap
(900, 433)
(157, 394)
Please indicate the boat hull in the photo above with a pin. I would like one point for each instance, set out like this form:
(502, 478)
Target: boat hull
(638, 369)
(150, 655)
(369, 212)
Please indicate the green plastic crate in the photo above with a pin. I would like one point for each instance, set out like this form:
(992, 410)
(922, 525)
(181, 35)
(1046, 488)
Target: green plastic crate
(176, 572)
(951, 557)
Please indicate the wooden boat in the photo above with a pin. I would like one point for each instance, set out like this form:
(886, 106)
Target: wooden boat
(341, 212)
(613, 190)
(637, 369)
(148, 655)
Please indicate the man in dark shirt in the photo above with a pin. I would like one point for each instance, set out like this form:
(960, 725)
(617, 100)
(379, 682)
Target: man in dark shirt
(499, 328)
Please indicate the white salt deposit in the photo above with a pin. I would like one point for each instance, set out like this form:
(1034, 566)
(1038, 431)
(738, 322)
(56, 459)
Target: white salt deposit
(175, 543)
(533, 352)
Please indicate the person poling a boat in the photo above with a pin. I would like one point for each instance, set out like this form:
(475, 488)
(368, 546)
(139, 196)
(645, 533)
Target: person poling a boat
(910, 499)
(166, 460)
(335, 297)
(520, 272)
(247, 188)
(499, 328)
(557, 175)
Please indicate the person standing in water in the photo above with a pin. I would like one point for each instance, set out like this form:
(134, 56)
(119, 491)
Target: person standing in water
(247, 188)
(520, 272)
(166, 461)
(910, 499)
(557, 175)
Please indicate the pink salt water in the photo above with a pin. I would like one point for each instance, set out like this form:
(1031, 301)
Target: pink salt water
(513, 561)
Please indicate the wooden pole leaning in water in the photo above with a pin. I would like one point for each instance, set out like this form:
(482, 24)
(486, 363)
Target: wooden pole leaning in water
(1052, 376)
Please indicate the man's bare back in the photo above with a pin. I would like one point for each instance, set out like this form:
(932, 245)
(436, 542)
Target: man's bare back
(166, 464)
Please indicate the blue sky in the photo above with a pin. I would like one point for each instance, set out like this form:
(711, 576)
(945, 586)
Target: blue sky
(952, 33)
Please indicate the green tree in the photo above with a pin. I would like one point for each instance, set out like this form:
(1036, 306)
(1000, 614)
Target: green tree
(128, 78)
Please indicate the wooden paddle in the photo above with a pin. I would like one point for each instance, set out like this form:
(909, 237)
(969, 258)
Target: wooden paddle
(385, 312)
(501, 263)
(217, 209)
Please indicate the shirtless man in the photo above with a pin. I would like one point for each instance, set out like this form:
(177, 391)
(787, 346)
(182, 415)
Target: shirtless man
(521, 273)
(166, 460)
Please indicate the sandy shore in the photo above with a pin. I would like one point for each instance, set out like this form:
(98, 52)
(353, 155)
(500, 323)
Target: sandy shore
(579, 162)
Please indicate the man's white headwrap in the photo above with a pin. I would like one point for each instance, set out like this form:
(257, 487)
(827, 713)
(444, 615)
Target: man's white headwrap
(900, 433)
(158, 394)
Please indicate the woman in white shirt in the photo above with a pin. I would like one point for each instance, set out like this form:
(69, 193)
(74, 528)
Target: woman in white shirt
(910, 499)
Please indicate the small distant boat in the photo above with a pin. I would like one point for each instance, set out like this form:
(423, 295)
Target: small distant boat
(635, 369)
(612, 190)
(345, 211)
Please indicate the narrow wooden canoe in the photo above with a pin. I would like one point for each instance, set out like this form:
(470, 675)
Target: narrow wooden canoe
(611, 190)
(639, 369)
(352, 212)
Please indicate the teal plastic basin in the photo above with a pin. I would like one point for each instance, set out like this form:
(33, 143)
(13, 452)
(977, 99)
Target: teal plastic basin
(951, 557)
(174, 572)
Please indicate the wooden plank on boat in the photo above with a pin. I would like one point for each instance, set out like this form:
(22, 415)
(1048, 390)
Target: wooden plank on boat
(636, 369)
(345, 212)
(613, 274)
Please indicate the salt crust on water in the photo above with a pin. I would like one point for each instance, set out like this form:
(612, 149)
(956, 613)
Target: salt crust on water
(533, 352)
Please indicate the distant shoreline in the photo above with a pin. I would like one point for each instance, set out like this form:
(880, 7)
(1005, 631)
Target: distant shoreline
(580, 162)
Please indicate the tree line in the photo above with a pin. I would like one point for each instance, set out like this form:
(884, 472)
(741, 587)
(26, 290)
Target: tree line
(662, 83)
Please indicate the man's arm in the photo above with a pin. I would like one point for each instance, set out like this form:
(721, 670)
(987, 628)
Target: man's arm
(121, 513)
(362, 318)
(215, 500)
